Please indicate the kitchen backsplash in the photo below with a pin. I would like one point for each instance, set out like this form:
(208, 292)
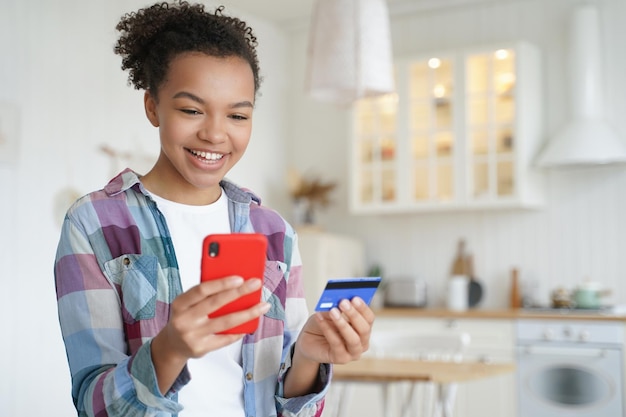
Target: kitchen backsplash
(578, 235)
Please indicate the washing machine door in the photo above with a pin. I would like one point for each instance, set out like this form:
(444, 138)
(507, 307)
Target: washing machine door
(560, 381)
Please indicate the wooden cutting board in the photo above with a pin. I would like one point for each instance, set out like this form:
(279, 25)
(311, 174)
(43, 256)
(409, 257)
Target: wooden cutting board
(462, 264)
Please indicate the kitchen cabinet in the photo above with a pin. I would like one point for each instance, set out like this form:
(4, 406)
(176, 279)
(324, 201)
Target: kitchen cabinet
(492, 340)
(460, 133)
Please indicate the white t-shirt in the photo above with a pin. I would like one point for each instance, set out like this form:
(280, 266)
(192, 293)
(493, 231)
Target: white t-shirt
(216, 386)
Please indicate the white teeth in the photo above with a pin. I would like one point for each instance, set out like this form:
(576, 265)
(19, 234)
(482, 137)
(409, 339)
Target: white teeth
(211, 156)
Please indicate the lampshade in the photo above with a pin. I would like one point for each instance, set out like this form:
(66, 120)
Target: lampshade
(350, 54)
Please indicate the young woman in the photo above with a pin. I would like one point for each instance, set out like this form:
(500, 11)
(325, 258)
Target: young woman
(132, 311)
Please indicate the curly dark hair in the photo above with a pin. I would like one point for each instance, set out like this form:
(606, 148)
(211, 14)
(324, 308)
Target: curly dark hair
(153, 36)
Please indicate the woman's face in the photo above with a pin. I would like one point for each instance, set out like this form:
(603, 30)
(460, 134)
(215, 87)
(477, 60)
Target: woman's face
(204, 115)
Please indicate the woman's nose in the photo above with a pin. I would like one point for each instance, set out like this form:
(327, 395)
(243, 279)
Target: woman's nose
(212, 130)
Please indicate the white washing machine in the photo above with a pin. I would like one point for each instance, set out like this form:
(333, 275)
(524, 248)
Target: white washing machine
(570, 368)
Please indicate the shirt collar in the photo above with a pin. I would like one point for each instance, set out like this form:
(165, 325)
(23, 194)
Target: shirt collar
(128, 179)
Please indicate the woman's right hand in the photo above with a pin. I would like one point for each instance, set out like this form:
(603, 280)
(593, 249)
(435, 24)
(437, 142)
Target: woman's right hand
(191, 334)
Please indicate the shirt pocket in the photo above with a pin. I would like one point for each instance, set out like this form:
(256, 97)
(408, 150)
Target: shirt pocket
(135, 276)
(275, 288)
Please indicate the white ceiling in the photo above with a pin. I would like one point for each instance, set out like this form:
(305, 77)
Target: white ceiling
(274, 10)
(290, 11)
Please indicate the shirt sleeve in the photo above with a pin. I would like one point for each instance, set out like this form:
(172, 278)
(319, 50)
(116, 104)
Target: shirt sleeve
(296, 313)
(107, 380)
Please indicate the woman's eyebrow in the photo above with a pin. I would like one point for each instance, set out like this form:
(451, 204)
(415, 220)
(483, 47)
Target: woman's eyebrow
(240, 104)
(191, 96)
(185, 94)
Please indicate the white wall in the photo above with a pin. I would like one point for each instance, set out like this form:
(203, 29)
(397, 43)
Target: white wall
(59, 70)
(579, 233)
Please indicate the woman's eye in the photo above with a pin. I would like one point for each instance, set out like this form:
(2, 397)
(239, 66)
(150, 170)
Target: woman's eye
(239, 117)
(190, 111)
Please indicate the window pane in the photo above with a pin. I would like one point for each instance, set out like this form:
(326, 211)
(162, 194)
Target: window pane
(388, 122)
(444, 182)
(478, 74)
(365, 118)
(366, 151)
(481, 180)
(420, 178)
(420, 147)
(367, 187)
(505, 140)
(571, 386)
(443, 112)
(420, 115)
(387, 149)
(445, 143)
(389, 185)
(504, 72)
(388, 110)
(442, 92)
(443, 74)
(419, 81)
(480, 142)
(505, 178)
(504, 109)
(478, 111)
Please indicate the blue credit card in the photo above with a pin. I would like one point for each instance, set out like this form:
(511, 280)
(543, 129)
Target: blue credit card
(347, 288)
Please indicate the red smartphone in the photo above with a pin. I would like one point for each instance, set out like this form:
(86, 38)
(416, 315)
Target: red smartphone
(241, 254)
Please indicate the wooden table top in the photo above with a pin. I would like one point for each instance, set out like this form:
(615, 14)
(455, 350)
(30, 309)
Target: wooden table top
(370, 369)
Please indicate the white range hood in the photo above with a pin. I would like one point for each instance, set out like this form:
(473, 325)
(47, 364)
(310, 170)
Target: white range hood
(587, 138)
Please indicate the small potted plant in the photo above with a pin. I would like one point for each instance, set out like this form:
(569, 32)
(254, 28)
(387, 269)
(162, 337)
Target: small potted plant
(308, 194)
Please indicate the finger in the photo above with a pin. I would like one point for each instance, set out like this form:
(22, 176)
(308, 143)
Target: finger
(330, 332)
(205, 289)
(206, 334)
(218, 300)
(345, 343)
(364, 309)
(228, 321)
(186, 316)
(359, 315)
(349, 330)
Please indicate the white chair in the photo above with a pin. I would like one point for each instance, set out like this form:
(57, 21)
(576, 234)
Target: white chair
(424, 398)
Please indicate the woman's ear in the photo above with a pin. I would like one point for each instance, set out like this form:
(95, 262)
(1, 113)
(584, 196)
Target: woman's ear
(150, 106)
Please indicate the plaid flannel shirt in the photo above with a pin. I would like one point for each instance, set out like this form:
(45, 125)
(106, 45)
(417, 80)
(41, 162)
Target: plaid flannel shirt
(116, 275)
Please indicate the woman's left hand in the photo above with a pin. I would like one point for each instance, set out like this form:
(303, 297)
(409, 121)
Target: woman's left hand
(338, 336)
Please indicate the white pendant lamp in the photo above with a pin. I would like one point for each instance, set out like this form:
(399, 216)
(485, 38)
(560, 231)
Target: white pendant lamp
(350, 54)
(587, 138)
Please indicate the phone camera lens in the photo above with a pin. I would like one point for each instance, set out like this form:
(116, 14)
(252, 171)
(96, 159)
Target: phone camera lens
(214, 249)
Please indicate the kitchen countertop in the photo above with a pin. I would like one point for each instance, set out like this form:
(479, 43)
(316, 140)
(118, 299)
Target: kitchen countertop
(504, 314)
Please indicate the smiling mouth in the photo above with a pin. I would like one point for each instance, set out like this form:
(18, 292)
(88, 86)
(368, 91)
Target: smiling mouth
(206, 156)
